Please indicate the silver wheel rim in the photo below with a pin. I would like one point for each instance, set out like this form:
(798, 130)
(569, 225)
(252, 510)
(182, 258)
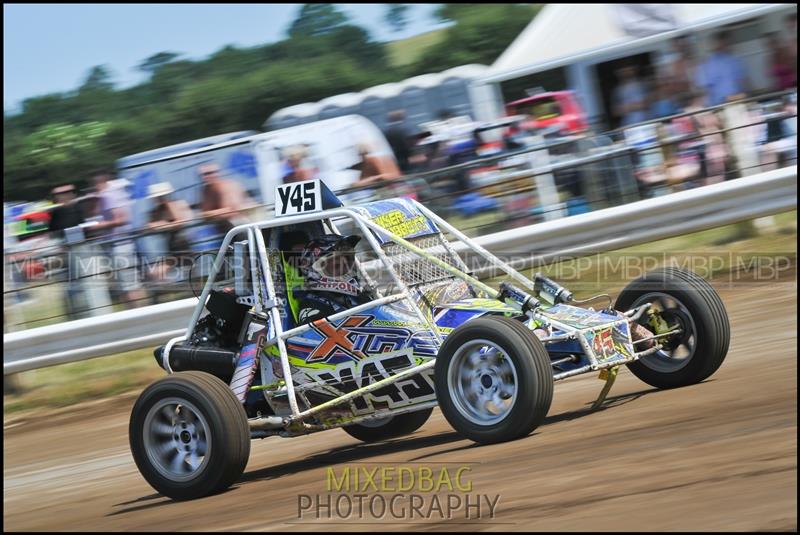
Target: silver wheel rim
(482, 381)
(177, 439)
(669, 361)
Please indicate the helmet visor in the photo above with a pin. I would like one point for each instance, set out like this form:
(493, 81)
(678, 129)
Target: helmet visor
(337, 264)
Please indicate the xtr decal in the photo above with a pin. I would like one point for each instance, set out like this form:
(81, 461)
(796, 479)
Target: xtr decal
(354, 338)
(335, 340)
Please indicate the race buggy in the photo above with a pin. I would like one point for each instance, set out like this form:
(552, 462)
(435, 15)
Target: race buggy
(431, 334)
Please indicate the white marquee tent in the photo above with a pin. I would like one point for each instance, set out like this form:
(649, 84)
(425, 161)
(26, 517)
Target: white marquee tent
(563, 33)
(579, 36)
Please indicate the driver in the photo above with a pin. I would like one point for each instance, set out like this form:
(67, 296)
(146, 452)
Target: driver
(331, 285)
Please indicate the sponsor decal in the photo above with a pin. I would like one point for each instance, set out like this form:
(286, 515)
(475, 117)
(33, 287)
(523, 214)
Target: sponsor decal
(603, 344)
(399, 223)
(336, 340)
(306, 313)
(350, 376)
(333, 285)
(398, 216)
(610, 343)
(356, 337)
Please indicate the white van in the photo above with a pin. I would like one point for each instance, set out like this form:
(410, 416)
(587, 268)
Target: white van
(258, 161)
(331, 149)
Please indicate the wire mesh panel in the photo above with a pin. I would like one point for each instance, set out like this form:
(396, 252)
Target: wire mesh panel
(415, 270)
(430, 283)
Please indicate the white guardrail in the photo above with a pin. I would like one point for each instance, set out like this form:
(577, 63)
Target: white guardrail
(599, 231)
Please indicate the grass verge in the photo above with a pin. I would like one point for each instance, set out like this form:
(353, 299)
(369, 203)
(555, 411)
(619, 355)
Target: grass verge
(67, 384)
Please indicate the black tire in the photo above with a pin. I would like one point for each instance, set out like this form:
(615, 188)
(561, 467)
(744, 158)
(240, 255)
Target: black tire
(533, 385)
(395, 426)
(710, 319)
(229, 434)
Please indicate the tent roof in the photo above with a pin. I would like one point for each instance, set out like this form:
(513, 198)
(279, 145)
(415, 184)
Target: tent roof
(344, 100)
(563, 33)
(298, 110)
(383, 90)
(423, 80)
(468, 72)
(472, 70)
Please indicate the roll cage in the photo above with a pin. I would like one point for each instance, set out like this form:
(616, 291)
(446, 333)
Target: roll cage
(266, 303)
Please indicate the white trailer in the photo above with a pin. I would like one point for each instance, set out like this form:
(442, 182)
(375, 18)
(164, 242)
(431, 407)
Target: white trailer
(254, 159)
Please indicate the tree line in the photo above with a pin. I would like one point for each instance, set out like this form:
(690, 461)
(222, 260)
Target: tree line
(61, 137)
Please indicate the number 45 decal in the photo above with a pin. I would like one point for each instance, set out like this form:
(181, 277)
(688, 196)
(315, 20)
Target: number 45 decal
(298, 198)
(604, 344)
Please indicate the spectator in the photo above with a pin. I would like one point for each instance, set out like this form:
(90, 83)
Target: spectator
(630, 97)
(681, 70)
(113, 205)
(712, 149)
(67, 215)
(514, 137)
(722, 75)
(484, 148)
(295, 166)
(374, 168)
(663, 104)
(682, 167)
(399, 140)
(222, 199)
(438, 153)
(67, 212)
(428, 153)
(169, 216)
(791, 25)
(778, 135)
(783, 73)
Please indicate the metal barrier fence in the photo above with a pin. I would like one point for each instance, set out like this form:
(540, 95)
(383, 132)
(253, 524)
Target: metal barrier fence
(710, 109)
(542, 182)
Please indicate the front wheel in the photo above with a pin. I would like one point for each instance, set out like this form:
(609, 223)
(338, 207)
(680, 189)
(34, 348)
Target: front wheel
(389, 427)
(680, 300)
(494, 381)
(189, 435)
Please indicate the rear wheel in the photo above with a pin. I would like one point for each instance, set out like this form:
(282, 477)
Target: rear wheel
(389, 427)
(684, 301)
(189, 435)
(494, 381)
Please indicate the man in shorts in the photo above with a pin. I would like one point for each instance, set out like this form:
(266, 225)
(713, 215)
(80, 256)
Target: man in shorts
(223, 200)
(114, 207)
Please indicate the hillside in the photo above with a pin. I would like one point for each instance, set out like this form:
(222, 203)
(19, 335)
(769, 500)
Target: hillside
(406, 51)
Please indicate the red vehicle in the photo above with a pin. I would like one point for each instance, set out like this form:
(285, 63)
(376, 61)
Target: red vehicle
(550, 109)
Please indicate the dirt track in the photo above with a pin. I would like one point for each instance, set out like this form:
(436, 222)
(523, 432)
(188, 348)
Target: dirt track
(721, 455)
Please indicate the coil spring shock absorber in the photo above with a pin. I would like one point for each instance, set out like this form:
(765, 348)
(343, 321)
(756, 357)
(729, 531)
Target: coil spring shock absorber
(551, 291)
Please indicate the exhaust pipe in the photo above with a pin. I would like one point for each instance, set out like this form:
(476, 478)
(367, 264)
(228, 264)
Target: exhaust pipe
(266, 423)
(220, 363)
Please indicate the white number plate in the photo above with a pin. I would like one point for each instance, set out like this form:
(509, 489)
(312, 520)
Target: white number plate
(298, 198)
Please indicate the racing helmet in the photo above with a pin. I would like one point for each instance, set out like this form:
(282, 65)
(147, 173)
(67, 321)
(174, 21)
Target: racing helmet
(329, 262)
